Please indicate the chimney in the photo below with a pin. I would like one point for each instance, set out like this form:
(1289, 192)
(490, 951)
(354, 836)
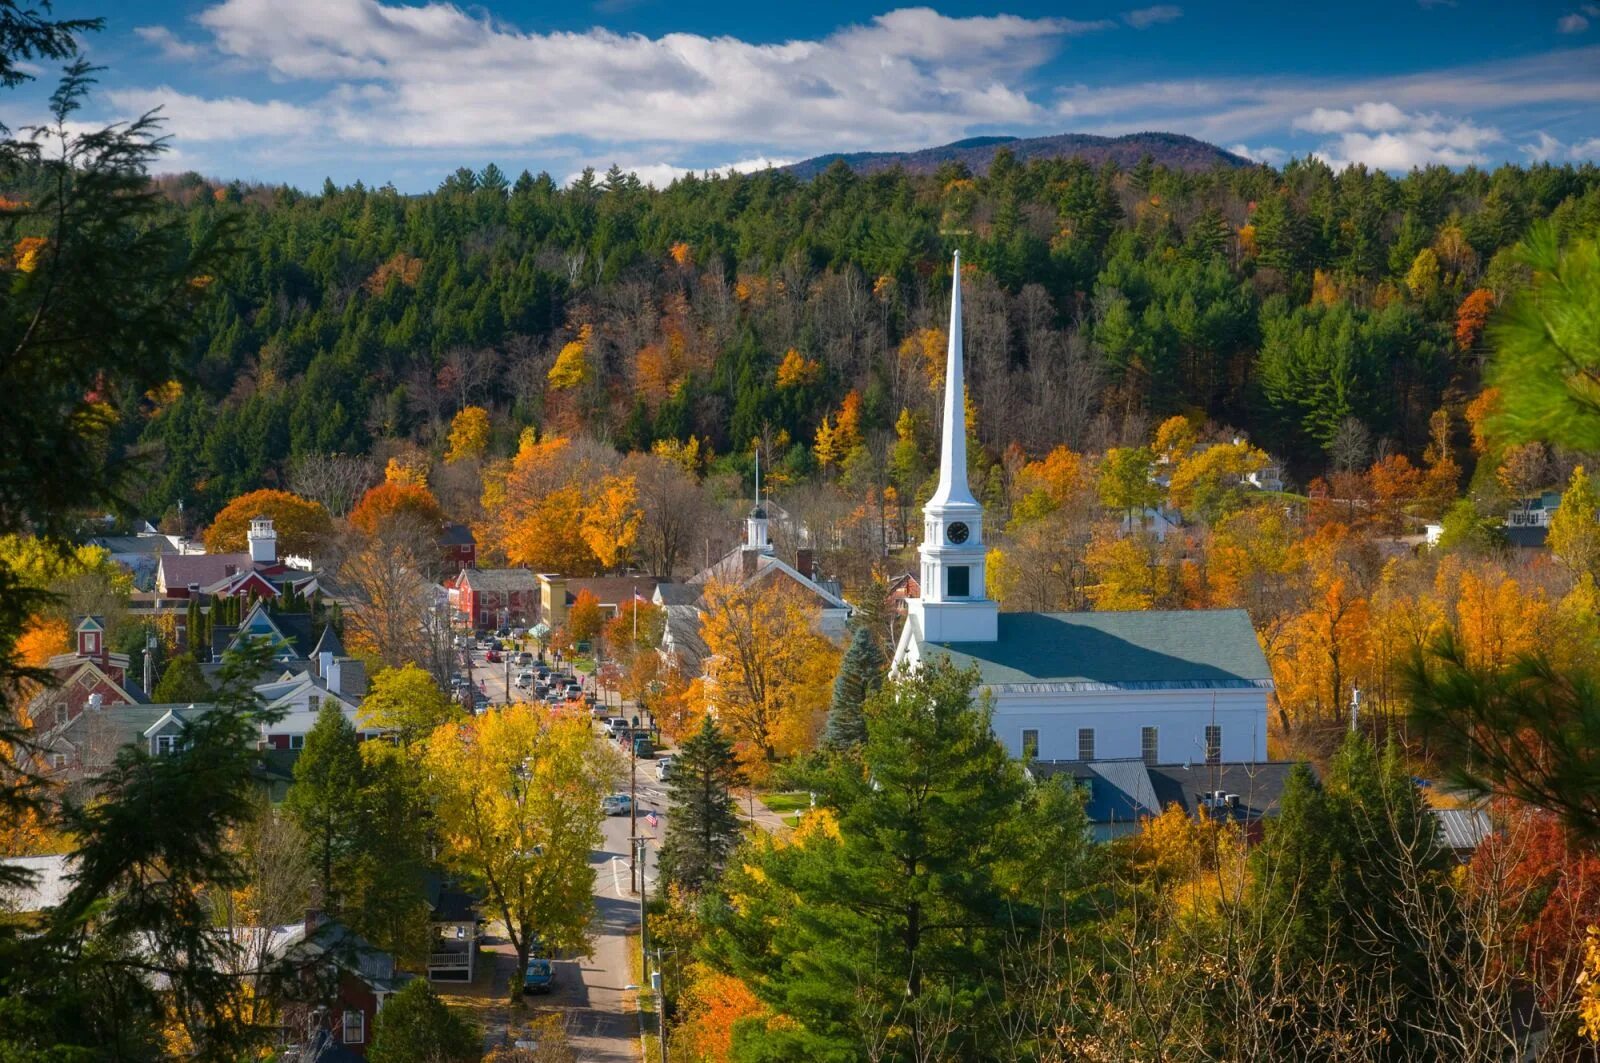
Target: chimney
(314, 919)
(331, 673)
(263, 542)
(805, 561)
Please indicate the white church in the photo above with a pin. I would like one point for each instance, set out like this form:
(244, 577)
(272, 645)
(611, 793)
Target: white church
(1163, 687)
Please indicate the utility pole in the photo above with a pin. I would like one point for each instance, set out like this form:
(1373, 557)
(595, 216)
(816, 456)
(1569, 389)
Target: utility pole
(635, 877)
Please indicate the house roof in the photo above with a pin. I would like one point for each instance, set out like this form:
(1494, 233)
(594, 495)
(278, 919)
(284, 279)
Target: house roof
(1125, 791)
(743, 567)
(1259, 785)
(327, 642)
(180, 570)
(1463, 829)
(678, 593)
(453, 534)
(499, 579)
(613, 590)
(448, 901)
(1205, 649)
(1528, 537)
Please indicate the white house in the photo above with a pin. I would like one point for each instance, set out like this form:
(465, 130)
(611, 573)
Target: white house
(1165, 687)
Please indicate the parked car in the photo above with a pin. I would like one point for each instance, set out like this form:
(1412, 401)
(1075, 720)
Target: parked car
(503, 633)
(524, 680)
(525, 658)
(643, 747)
(541, 975)
(616, 725)
(616, 804)
(600, 711)
(664, 767)
(492, 656)
(480, 702)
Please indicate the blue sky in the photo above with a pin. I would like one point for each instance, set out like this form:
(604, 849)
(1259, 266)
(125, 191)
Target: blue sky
(405, 91)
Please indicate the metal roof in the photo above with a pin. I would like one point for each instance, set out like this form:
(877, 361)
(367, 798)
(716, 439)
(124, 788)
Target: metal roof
(1201, 648)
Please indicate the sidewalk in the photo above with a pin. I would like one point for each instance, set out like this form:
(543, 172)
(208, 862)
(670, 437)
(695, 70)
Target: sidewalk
(763, 817)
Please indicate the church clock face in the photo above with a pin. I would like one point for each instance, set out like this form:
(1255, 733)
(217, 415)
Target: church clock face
(958, 532)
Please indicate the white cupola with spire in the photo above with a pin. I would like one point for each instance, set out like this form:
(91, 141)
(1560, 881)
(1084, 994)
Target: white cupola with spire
(757, 538)
(954, 606)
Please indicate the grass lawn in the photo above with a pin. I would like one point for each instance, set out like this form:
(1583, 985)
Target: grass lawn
(582, 664)
(647, 998)
(789, 805)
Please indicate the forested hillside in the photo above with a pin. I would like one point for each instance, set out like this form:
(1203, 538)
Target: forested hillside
(1098, 302)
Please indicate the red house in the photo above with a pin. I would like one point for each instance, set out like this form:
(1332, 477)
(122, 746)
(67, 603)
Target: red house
(458, 549)
(490, 597)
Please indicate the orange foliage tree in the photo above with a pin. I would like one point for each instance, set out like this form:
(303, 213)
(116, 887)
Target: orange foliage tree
(42, 639)
(391, 500)
(584, 618)
(1471, 317)
(301, 525)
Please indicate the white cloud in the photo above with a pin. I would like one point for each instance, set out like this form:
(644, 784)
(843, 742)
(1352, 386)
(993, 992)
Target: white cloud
(662, 174)
(1573, 23)
(171, 46)
(1267, 154)
(1546, 148)
(1382, 136)
(1371, 116)
(409, 75)
(193, 118)
(1145, 17)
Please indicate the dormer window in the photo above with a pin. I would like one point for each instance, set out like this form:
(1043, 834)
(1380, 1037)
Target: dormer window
(166, 745)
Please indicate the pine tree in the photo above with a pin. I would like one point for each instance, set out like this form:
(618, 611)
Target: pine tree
(702, 828)
(182, 683)
(860, 674)
(324, 799)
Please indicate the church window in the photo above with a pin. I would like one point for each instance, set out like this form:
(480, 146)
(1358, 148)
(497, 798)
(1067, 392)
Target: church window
(959, 581)
(1030, 745)
(1150, 745)
(1086, 743)
(1213, 743)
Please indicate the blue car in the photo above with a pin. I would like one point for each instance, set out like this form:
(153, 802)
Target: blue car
(540, 977)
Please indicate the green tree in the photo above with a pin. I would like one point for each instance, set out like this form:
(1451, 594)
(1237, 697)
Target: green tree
(182, 683)
(384, 874)
(885, 921)
(860, 675)
(1125, 483)
(325, 798)
(703, 826)
(1546, 342)
(415, 1026)
(1335, 875)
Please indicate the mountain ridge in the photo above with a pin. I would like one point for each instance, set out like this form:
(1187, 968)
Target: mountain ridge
(1174, 150)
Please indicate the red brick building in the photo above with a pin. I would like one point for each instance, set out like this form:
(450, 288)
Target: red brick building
(490, 597)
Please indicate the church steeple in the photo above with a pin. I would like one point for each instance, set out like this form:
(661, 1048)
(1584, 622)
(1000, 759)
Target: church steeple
(954, 606)
(953, 485)
(756, 536)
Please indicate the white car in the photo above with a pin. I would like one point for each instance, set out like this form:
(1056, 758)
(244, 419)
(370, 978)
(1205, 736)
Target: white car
(616, 805)
(664, 767)
(524, 680)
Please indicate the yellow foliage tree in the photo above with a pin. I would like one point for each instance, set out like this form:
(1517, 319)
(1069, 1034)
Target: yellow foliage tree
(770, 672)
(611, 520)
(825, 449)
(1423, 276)
(796, 370)
(517, 797)
(408, 472)
(1175, 437)
(469, 434)
(687, 455)
(571, 367)
(1124, 572)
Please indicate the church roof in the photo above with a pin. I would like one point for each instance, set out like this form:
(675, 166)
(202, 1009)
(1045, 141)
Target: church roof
(1210, 648)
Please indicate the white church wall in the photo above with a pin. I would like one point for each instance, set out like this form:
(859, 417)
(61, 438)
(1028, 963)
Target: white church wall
(1119, 717)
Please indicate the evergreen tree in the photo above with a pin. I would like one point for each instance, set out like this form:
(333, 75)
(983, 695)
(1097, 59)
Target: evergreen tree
(860, 675)
(325, 798)
(702, 827)
(182, 683)
(1344, 869)
(886, 920)
(415, 1026)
